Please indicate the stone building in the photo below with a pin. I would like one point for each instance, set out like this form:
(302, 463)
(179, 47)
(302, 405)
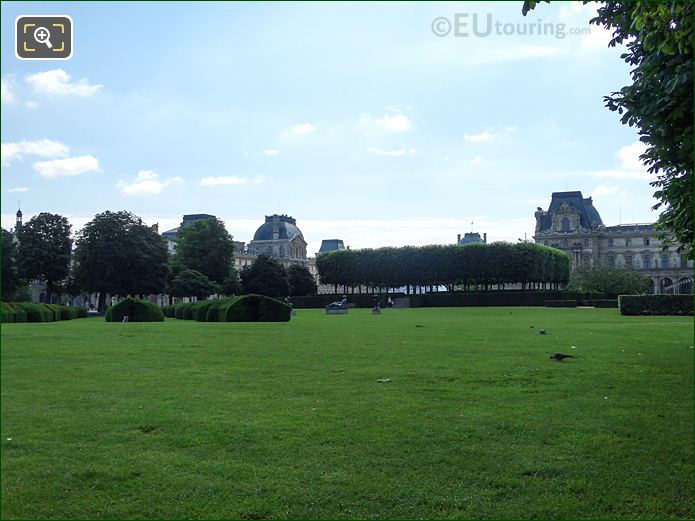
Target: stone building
(573, 224)
(171, 235)
(471, 237)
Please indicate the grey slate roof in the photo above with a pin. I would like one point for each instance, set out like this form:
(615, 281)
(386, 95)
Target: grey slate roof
(286, 228)
(331, 245)
(588, 215)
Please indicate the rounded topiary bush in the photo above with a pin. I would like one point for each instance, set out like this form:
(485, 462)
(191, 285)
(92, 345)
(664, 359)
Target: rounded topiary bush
(36, 312)
(253, 308)
(199, 310)
(136, 310)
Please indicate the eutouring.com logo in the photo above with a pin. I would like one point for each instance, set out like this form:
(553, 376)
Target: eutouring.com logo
(463, 25)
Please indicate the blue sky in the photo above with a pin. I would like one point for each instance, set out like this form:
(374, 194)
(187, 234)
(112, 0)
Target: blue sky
(355, 118)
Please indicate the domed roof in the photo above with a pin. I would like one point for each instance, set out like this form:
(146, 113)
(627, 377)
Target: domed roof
(471, 237)
(277, 227)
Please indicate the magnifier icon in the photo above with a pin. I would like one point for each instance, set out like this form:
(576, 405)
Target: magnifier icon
(43, 35)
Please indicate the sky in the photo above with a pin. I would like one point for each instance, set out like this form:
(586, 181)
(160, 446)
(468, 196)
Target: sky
(367, 122)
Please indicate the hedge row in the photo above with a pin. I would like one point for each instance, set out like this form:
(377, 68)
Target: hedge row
(245, 308)
(136, 310)
(463, 299)
(27, 312)
(450, 266)
(655, 304)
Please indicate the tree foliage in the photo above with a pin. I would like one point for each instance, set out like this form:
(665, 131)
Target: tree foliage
(613, 280)
(116, 253)
(445, 265)
(191, 283)
(265, 276)
(206, 246)
(658, 37)
(10, 281)
(301, 281)
(45, 249)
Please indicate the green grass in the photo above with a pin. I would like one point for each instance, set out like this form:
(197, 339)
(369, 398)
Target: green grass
(288, 420)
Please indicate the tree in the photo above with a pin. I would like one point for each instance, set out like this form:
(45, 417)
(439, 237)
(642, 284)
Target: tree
(301, 281)
(45, 248)
(265, 276)
(232, 284)
(613, 280)
(659, 102)
(191, 283)
(117, 254)
(10, 281)
(206, 246)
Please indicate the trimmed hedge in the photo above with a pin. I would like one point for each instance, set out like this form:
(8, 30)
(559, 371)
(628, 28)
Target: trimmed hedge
(28, 312)
(245, 308)
(561, 303)
(136, 310)
(655, 304)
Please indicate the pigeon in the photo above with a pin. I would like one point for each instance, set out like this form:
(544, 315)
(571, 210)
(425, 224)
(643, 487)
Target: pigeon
(560, 357)
(541, 331)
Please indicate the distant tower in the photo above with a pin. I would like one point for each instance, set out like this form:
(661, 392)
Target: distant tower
(18, 222)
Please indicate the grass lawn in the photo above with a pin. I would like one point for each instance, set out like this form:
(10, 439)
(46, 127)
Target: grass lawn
(196, 420)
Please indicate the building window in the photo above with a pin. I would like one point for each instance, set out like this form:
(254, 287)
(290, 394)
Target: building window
(586, 261)
(566, 224)
(545, 243)
(282, 251)
(628, 261)
(610, 242)
(684, 261)
(270, 250)
(587, 243)
(628, 242)
(646, 261)
(646, 241)
(565, 243)
(664, 261)
(610, 260)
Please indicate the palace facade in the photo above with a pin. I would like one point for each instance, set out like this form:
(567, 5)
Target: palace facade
(572, 223)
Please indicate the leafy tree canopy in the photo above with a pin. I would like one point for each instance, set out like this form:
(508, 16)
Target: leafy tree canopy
(10, 281)
(191, 283)
(265, 276)
(205, 246)
(301, 281)
(614, 280)
(116, 253)
(45, 249)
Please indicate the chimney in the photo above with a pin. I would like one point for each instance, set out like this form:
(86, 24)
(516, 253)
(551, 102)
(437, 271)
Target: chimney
(485, 238)
(458, 238)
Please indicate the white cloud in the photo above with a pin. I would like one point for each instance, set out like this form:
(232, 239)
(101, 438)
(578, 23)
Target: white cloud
(477, 138)
(629, 156)
(394, 123)
(57, 83)
(70, 166)
(31, 104)
(620, 174)
(7, 95)
(604, 190)
(271, 152)
(598, 38)
(18, 189)
(147, 182)
(302, 128)
(42, 147)
(392, 153)
(230, 180)
(521, 52)
(477, 160)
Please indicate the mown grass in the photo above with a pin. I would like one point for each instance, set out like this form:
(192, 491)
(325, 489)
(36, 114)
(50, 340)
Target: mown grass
(288, 420)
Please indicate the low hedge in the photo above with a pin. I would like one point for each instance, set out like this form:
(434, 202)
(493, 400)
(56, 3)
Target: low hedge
(561, 303)
(245, 308)
(655, 304)
(136, 310)
(12, 314)
(28, 312)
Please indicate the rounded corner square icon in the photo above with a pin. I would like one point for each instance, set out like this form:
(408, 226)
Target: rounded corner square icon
(43, 37)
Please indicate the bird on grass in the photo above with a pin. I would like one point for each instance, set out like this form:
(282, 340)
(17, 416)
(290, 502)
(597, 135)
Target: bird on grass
(560, 357)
